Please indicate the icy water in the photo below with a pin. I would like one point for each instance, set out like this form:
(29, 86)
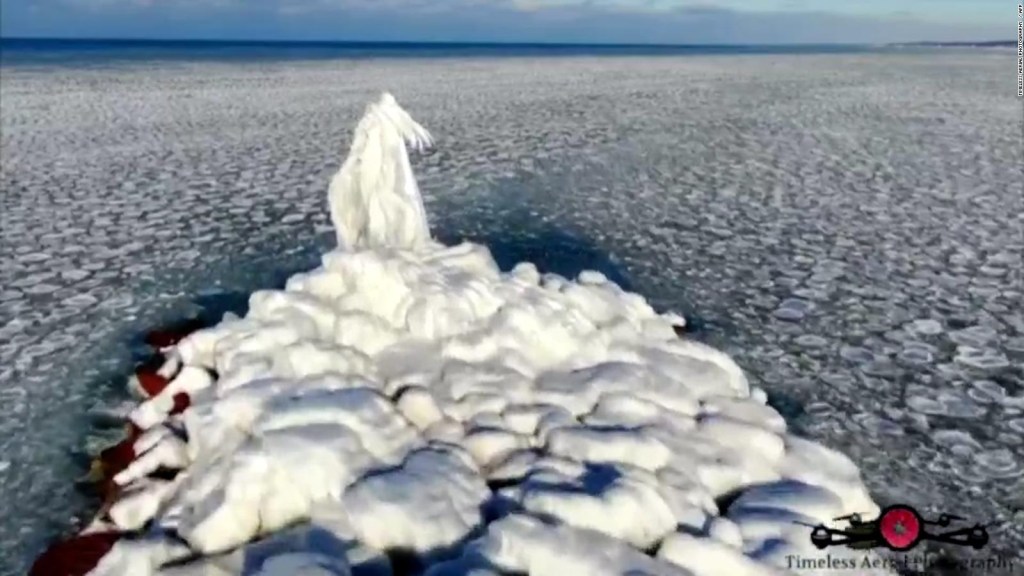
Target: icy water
(848, 227)
(92, 53)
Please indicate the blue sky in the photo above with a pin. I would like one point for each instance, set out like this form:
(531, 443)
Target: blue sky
(613, 21)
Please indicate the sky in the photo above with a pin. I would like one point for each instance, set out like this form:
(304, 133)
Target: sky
(568, 21)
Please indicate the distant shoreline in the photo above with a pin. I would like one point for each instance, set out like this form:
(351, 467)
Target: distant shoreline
(16, 41)
(24, 41)
(986, 44)
(87, 52)
(66, 52)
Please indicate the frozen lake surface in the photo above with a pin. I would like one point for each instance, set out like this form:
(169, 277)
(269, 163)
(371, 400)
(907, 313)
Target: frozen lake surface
(847, 227)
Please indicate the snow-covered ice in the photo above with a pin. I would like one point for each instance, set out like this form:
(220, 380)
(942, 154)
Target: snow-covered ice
(637, 434)
(880, 227)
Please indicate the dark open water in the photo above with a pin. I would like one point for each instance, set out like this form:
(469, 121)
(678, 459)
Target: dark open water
(54, 52)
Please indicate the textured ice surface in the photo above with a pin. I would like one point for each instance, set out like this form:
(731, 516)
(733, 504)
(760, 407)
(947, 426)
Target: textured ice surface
(884, 194)
(616, 434)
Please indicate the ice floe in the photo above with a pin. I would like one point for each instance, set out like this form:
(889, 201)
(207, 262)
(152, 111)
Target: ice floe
(410, 403)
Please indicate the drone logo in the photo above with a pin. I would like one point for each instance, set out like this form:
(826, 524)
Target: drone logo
(899, 528)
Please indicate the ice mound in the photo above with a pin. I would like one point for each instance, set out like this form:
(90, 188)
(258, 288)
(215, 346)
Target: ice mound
(374, 199)
(411, 400)
(526, 545)
(437, 488)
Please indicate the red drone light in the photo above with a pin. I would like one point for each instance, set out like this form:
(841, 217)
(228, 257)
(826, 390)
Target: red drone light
(900, 527)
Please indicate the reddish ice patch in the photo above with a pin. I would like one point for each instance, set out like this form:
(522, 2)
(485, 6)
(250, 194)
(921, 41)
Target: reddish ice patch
(151, 382)
(110, 463)
(117, 457)
(181, 403)
(76, 556)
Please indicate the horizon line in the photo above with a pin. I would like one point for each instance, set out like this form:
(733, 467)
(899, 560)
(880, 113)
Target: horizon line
(504, 43)
(432, 42)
